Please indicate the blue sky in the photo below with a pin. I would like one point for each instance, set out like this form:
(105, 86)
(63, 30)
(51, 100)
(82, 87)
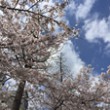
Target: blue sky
(93, 46)
(93, 18)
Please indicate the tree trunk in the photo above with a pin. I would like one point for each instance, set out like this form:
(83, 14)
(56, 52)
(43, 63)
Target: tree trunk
(19, 94)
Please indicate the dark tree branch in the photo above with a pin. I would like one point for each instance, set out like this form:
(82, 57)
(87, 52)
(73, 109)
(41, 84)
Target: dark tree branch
(18, 97)
(59, 104)
(17, 9)
(33, 5)
(28, 11)
(16, 3)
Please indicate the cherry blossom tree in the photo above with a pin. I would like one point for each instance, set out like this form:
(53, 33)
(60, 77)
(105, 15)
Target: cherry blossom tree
(84, 92)
(28, 33)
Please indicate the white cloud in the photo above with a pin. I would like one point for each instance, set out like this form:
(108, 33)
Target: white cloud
(71, 8)
(71, 59)
(83, 9)
(97, 28)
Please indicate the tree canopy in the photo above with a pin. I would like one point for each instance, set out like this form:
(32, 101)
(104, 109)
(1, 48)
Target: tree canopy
(29, 31)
